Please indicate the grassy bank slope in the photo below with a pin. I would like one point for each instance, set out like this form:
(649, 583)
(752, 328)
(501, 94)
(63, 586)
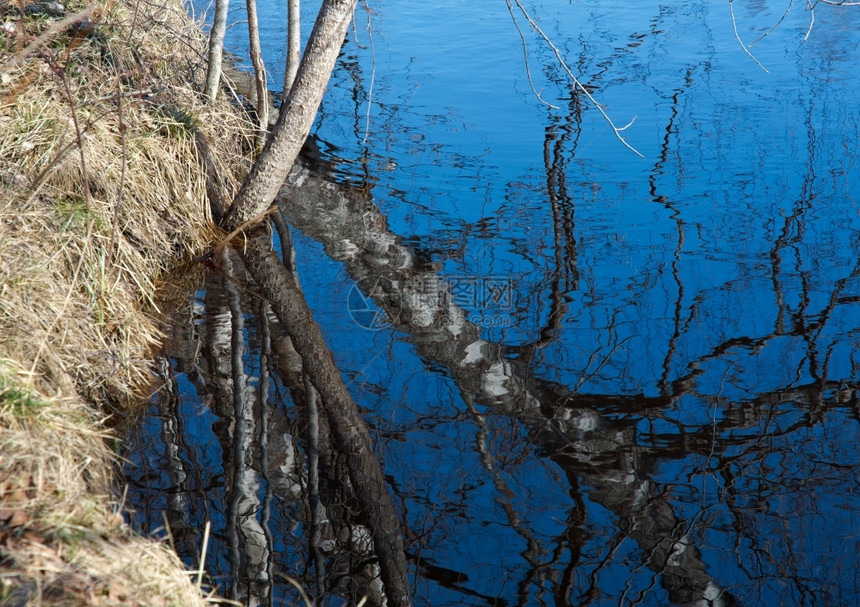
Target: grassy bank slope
(102, 189)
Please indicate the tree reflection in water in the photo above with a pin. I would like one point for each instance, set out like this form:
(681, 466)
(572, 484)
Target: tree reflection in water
(668, 413)
(654, 502)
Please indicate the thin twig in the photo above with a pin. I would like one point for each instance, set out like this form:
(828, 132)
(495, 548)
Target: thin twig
(203, 556)
(254, 220)
(73, 287)
(811, 19)
(42, 177)
(125, 95)
(577, 84)
(40, 42)
(735, 29)
(372, 73)
(297, 586)
(121, 124)
(354, 27)
(526, 57)
(775, 25)
(584, 380)
(61, 74)
(167, 530)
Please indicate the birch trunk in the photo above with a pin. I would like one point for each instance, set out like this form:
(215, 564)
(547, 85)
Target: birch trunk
(294, 44)
(296, 116)
(216, 48)
(261, 89)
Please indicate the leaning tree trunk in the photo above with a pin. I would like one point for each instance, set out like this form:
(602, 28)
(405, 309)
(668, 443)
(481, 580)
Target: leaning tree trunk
(297, 114)
(216, 48)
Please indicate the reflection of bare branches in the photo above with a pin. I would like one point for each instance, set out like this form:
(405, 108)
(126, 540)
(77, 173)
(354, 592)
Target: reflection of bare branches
(679, 225)
(759, 477)
(835, 300)
(255, 549)
(581, 440)
(316, 508)
(587, 375)
(565, 276)
(183, 532)
(331, 510)
(278, 285)
(594, 439)
(340, 529)
(505, 494)
(263, 437)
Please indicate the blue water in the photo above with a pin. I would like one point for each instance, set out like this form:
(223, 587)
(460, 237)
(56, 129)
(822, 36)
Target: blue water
(701, 304)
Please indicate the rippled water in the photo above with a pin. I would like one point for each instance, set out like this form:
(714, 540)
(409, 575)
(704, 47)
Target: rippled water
(591, 378)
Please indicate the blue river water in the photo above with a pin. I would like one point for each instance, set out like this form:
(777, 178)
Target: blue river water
(660, 404)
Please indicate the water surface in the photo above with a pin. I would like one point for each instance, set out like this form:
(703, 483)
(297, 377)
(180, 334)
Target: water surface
(591, 378)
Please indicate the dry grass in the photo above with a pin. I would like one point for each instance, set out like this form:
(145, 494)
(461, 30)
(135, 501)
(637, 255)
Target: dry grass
(62, 540)
(97, 200)
(82, 242)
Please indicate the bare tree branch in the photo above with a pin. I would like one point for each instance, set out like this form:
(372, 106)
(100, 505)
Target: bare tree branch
(576, 83)
(737, 36)
(41, 42)
(372, 71)
(526, 57)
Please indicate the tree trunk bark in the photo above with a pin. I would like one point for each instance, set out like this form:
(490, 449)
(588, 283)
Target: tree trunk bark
(262, 90)
(294, 44)
(216, 48)
(296, 116)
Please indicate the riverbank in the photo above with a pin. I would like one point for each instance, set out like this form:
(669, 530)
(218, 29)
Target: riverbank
(103, 189)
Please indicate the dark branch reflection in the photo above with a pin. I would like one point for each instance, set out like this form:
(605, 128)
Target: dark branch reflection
(288, 482)
(243, 441)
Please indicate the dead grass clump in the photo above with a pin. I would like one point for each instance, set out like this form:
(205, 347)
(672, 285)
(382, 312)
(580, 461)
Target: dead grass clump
(100, 185)
(102, 188)
(62, 539)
